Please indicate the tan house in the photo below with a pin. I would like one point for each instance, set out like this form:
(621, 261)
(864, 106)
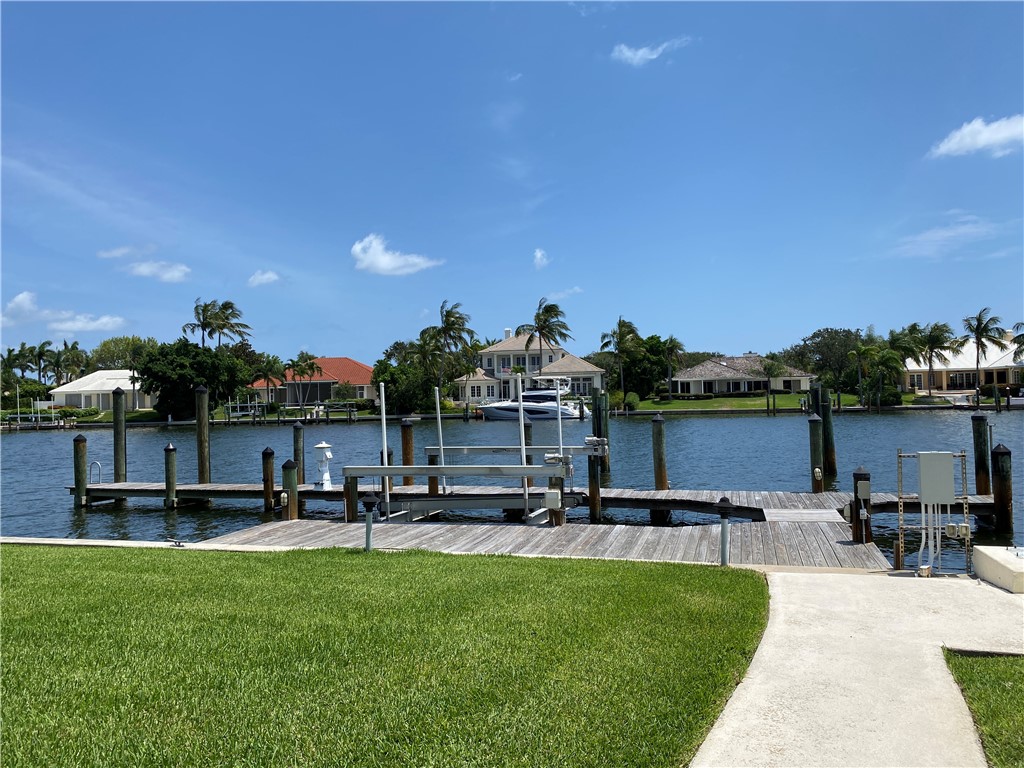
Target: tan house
(722, 375)
(959, 373)
(495, 376)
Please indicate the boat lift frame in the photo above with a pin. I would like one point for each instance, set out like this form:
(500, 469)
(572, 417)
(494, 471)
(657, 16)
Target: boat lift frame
(902, 499)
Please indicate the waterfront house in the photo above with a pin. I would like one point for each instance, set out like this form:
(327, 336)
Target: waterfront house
(320, 386)
(95, 390)
(497, 364)
(723, 375)
(959, 374)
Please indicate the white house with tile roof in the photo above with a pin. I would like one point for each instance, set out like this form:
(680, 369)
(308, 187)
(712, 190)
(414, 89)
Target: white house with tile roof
(494, 378)
(721, 375)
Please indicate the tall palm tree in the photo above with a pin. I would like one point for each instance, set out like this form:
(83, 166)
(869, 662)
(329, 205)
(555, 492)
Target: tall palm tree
(673, 349)
(56, 364)
(228, 322)
(621, 340)
(454, 333)
(427, 352)
(41, 350)
(1018, 342)
(77, 359)
(861, 356)
(937, 343)
(205, 314)
(548, 326)
(25, 356)
(270, 369)
(304, 366)
(984, 329)
(887, 367)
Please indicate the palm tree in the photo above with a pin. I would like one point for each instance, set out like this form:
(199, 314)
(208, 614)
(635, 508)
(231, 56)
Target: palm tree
(862, 355)
(984, 329)
(548, 326)
(205, 313)
(56, 364)
(888, 366)
(427, 352)
(304, 366)
(228, 322)
(271, 369)
(40, 352)
(1018, 342)
(673, 349)
(454, 334)
(937, 342)
(25, 357)
(621, 340)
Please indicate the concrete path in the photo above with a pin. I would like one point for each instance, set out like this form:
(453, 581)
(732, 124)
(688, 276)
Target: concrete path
(850, 672)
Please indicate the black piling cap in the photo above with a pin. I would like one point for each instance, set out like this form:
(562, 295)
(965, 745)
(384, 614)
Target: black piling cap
(289, 465)
(268, 451)
(79, 438)
(861, 471)
(170, 448)
(118, 391)
(297, 425)
(658, 417)
(814, 417)
(406, 422)
(979, 415)
(1001, 449)
(200, 390)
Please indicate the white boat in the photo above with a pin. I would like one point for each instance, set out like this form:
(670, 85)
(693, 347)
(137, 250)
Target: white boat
(537, 404)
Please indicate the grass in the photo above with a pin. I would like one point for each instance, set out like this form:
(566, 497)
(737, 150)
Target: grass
(754, 404)
(994, 689)
(336, 657)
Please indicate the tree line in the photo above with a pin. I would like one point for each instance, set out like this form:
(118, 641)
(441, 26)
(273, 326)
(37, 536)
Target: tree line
(845, 360)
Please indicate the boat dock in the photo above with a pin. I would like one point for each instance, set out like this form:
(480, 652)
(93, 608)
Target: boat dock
(809, 544)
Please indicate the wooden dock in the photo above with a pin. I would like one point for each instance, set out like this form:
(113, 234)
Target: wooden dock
(777, 543)
(747, 504)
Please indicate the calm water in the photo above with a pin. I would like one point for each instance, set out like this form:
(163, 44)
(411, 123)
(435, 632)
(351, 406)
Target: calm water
(713, 452)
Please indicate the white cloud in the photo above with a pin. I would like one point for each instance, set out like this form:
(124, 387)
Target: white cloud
(997, 138)
(939, 242)
(558, 295)
(540, 259)
(23, 308)
(81, 323)
(164, 271)
(638, 57)
(126, 250)
(514, 77)
(371, 253)
(261, 277)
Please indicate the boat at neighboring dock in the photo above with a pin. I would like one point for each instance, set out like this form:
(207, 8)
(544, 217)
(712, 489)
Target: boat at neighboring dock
(537, 404)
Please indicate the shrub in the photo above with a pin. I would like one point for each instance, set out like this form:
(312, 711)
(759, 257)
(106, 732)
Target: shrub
(632, 401)
(891, 396)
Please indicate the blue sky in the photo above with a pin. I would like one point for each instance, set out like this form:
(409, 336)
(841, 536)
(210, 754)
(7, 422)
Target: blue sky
(735, 174)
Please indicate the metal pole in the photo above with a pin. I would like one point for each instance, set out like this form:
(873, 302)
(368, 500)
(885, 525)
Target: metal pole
(384, 446)
(522, 442)
(440, 439)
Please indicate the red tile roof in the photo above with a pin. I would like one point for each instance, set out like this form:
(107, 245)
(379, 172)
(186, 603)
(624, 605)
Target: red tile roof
(335, 369)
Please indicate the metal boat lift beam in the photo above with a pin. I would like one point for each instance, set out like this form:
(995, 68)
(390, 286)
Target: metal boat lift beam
(458, 470)
(532, 450)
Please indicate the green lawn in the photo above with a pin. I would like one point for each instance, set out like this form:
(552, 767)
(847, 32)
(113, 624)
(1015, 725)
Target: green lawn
(731, 403)
(335, 657)
(994, 689)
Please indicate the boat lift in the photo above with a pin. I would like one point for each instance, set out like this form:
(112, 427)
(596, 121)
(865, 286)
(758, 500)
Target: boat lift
(937, 497)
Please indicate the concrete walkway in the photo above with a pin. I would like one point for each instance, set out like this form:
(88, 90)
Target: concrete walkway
(850, 672)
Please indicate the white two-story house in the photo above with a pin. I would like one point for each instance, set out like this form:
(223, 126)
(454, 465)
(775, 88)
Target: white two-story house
(498, 364)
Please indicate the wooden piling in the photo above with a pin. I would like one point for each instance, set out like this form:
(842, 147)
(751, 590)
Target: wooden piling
(982, 473)
(594, 488)
(861, 528)
(81, 471)
(170, 476)
(432, 486)
(828, 437)
(998, 400)
(268, 479)
(659, 516)
(203, 433)
(408, 450)
(299, 451)
(557, 516)
(289, 482)
(351, 499)
(814, 424)
(1002, 489)
(120, 438)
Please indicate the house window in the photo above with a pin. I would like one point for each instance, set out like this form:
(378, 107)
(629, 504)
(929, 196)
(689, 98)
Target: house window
(520, 360)
(489, 362)
(551, 358)
(490, 390)
(534, 361)
(474, 390)
(917, 380)
(506, 364)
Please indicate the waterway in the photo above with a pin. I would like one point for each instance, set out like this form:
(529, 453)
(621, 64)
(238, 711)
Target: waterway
(703, 452)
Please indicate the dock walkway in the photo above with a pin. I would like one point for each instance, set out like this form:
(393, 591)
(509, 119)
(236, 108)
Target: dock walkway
(790, 544)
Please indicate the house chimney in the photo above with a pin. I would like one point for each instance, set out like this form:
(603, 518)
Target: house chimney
(508, 333)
